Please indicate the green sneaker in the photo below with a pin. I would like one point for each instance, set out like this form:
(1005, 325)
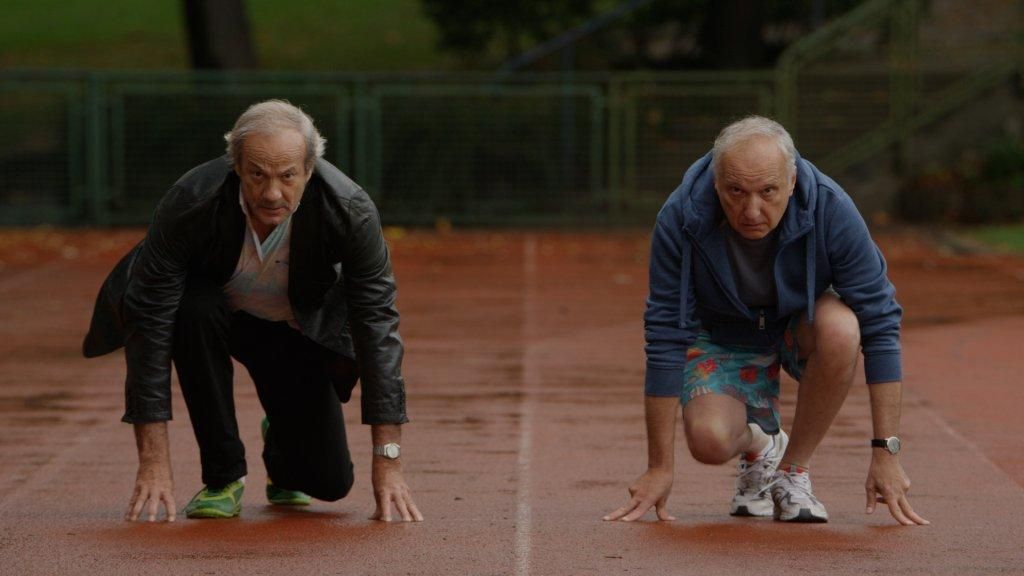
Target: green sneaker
(280, 496)
(223, 502)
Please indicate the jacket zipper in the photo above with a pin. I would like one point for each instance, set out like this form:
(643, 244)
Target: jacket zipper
(761, 323)
(714, 273)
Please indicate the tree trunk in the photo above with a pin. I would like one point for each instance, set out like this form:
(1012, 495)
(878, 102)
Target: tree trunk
(218, 34)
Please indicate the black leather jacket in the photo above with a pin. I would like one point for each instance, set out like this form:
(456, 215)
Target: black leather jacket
(340, 285)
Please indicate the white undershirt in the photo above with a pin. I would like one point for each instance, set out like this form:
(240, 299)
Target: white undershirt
(259, 284)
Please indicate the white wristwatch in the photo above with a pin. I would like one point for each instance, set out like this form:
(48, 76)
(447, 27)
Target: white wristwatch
(391, 451)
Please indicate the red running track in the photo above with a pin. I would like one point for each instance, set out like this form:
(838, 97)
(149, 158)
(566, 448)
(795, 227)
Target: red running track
(524, 367)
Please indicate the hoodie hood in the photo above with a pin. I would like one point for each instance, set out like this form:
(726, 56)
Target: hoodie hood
(701, 212)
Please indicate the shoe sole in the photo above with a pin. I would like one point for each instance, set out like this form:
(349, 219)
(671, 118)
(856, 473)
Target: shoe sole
(744, 511)
(289, 502)
(211, 515)
(805, 516)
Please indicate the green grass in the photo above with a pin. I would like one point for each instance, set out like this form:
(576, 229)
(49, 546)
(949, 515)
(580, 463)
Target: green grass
(342, 35)
(1009, 238)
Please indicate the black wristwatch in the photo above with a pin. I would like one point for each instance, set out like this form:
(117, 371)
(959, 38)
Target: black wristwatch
(891, 444)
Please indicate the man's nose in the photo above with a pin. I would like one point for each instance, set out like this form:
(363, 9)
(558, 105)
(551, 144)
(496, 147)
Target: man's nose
(752, 208)
(272, 192)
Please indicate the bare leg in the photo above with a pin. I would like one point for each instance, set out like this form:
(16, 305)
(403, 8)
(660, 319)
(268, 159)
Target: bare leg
(830, 346)
(716, 428)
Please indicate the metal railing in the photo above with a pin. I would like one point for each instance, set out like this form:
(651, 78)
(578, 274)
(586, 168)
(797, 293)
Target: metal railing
(102, 147)
(90, 147)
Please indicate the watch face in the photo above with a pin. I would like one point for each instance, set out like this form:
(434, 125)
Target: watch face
(892, 444)
(391, 451)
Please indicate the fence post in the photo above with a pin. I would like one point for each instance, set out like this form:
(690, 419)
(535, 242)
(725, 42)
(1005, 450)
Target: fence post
(360, 147)
(95, 152)
(614, 107)
(903, 77)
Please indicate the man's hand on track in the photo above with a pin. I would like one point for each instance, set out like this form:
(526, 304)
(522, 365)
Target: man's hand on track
(392, 493)
(888, 483)
(652, 488)
(153, 486)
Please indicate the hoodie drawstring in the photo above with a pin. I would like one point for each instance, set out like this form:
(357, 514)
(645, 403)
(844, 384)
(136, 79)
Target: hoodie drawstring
(684, 277)
(810, 275)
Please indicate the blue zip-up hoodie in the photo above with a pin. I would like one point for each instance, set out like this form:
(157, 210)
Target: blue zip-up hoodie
(823, 241)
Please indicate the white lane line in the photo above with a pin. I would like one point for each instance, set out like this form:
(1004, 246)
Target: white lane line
(946, 427)
(530, 374)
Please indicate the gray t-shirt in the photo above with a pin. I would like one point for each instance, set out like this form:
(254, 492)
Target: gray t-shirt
(752, 262)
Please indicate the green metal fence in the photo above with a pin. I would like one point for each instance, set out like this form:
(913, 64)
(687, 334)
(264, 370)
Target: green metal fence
(85, 147)
(102, 147)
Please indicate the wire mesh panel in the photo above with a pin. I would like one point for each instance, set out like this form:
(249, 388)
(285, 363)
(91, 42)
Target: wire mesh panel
(838, 107)
(41, 166)
(160, 131)
(670, 124)
(487, 153)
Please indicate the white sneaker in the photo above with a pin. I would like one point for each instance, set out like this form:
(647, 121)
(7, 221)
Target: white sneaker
(752, 497)
(794, 500)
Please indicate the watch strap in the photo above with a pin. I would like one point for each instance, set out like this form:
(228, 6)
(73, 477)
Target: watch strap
(382, 450)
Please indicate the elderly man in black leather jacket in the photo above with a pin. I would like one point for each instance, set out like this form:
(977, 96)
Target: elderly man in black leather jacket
(301, 293)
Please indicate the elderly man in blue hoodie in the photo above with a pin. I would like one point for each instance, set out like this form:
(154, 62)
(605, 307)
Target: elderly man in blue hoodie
(760, 261)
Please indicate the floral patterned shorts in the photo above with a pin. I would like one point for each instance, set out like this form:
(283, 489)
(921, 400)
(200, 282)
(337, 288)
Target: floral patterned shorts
(751, 375)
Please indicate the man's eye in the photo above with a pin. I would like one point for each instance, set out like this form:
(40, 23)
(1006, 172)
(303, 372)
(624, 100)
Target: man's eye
(287, 175)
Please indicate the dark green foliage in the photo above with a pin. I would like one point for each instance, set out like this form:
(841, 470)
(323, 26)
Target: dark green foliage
(471, 27)
(985, 188)
(665, 34)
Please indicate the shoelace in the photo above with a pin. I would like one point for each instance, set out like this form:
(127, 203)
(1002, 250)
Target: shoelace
(752, 473)
(799, 485)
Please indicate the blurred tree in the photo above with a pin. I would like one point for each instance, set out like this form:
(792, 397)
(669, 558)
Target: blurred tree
(474, 28)
(218, 34)
(666, 34)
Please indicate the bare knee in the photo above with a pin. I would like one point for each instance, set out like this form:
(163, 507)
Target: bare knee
(711, 441)
(836, 330)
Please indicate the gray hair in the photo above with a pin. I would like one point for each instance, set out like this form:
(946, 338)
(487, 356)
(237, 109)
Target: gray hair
(750, 127)
(268, 117)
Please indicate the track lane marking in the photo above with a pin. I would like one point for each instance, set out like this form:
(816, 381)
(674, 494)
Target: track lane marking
(526, 409)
